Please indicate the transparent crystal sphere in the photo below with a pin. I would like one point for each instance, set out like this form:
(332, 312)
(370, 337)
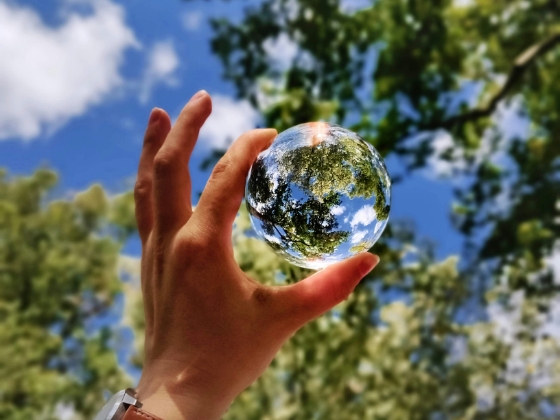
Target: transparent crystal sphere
(319, 194)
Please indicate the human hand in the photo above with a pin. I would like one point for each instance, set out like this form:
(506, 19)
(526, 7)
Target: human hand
(210, 329)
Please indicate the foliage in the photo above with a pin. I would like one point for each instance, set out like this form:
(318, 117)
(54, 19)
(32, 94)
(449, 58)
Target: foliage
(58, 279)
(427, 60)
(425, 82)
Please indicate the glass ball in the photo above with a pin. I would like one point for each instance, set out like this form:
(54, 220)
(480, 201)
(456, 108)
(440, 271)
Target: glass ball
(318, 195)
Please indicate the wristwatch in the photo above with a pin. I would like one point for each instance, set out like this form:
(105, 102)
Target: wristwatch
(124, 406)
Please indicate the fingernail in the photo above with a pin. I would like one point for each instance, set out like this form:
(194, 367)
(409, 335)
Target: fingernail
(198, 95)
(154, 116)
(368, 264)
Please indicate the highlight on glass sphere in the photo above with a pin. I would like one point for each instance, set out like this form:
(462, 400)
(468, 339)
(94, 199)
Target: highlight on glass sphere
(319, 194)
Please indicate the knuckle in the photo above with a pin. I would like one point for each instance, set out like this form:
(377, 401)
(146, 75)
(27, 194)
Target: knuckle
(228, 171)
(222, 167)
(151, 137)
(142, 189)
(163, 162)
(189, 247)
(199, 109)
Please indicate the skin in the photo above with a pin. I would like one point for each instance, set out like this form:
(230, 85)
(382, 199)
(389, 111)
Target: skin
(211, 330)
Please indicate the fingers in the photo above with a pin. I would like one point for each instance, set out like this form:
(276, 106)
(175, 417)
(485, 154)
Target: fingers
(172, 183)
(159, 125)
(318, 293)
(224, 191)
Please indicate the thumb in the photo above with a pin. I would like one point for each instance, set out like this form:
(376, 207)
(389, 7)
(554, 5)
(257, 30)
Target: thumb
(320, 292)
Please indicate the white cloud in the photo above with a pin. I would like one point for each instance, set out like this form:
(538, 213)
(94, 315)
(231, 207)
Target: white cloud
(229, 119)
(273, 239)
(191, 21)
(337, 210)
(281, 50)
(162, 63)
(365, 216)
(358, 236)
(438, 166)
(52, 74)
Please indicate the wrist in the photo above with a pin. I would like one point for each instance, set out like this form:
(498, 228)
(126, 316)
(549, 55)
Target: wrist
(185, 395)
(183, 407)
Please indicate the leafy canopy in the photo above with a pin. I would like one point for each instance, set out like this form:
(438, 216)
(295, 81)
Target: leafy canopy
(58, 279)
(424, 82)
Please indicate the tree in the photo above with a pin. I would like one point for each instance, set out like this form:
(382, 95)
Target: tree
(422, 81)
(58, 286)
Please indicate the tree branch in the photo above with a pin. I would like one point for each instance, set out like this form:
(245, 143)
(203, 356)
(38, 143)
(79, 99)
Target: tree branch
(520, 65)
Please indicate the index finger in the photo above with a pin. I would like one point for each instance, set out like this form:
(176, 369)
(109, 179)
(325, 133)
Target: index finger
(224, 191)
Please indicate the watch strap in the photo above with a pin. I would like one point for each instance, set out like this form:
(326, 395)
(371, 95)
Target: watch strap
(135, 413)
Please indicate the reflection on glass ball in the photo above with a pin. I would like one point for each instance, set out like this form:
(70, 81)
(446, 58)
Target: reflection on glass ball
(319, 194)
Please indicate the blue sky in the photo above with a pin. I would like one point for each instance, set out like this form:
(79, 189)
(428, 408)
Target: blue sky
(82, 76)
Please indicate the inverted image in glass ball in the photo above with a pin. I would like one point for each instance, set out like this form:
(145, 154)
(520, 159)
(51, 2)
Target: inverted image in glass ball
(319, 194)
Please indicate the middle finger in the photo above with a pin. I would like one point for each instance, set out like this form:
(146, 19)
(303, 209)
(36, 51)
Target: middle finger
(172, 183)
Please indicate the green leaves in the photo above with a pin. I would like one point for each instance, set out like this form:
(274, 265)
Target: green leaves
(400, 73)
(57, 276)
